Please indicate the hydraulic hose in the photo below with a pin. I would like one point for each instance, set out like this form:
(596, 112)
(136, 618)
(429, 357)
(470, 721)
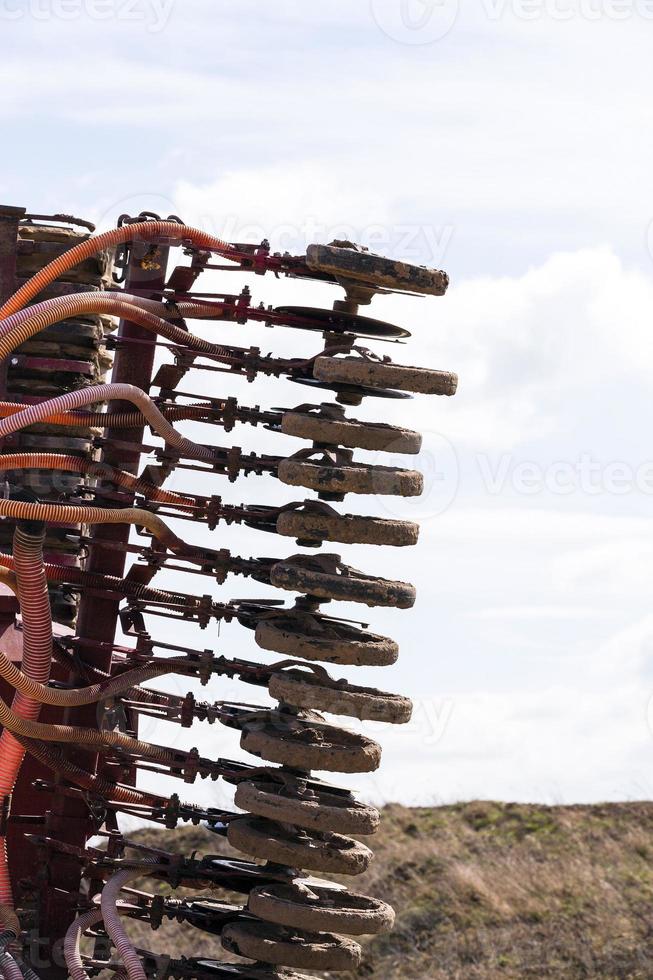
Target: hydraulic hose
(67, 513)
(94, 470)
(113, 925)
(9, 967)
(72, 942)
(116, 420)
(68, 575)
(6, 939)
(143, 694)
(35, 607)
(19, 327)
(83, 695)
(17, 725)
(142, 231)
(12, 926)
(32, 589)
(26, 969)
(97, 393)
(54, 759)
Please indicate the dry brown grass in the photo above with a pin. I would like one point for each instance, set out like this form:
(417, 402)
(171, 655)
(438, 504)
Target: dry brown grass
(485, 891)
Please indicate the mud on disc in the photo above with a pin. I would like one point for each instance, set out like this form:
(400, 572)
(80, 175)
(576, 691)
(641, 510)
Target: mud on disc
(362, 390)
(314, 318)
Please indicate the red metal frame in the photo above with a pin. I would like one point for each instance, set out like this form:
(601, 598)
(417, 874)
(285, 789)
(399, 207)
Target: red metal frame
(51, 888)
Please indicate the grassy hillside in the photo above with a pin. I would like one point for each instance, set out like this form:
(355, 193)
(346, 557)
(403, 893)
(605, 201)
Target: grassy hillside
(485, 891)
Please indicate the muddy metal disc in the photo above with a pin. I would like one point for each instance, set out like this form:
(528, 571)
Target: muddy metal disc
(313, 318)
(356, 390)
(261, 518)
(260, 971)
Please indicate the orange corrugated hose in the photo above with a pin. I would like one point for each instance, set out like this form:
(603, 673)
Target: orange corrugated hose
(107, 687)
(117, 420)
(19, 327)
(20, 718)
(94, 470)
(54, 759)
(65, 513)
(32, 690)
(97, 393)
(84, 695)
(142, 231)
(82, 736)
(143, 695)
(32, 589)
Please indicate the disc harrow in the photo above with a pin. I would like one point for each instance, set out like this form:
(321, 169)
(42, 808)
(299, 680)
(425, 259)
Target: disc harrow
(76, 482)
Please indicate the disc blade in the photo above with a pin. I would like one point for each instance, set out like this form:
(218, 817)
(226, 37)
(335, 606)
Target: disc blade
(352, 389)
(313, 318)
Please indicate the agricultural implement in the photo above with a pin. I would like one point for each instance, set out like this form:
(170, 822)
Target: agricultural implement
(96, 348)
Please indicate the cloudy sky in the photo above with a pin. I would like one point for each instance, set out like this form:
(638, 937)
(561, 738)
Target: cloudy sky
(509, 142)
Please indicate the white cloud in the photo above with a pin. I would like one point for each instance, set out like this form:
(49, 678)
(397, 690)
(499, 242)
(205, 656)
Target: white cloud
(532, 350)
(521, 130)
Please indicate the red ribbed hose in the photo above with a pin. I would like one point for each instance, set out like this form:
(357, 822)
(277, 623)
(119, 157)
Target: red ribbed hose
(143, 231)
(117, 420)
(68, 575)
(19, 327)
(95, 470)
(54, 759)
(98, 393)
(65, 514)
(32, 590)
(84, 695)
(81, 736)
